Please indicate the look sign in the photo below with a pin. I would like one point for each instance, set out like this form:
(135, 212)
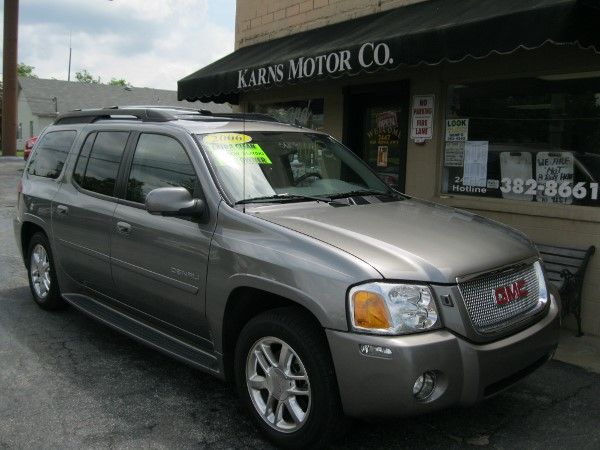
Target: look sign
(370, 55)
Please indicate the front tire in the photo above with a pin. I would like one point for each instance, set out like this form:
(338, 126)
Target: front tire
(285, 377)
(42, 275)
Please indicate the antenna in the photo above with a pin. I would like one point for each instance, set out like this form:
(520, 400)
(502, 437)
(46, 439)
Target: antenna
(70, 50)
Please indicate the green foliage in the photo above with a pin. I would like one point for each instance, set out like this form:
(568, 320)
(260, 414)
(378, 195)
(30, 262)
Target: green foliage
(85, 77)
(23, 70)
(119, 82)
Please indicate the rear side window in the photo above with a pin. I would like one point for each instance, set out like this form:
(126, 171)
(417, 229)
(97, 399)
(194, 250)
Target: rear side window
(51, 154)
(159, 161)
(98, 163)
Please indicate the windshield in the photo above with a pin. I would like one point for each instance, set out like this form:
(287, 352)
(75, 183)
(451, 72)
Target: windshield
(287, 164)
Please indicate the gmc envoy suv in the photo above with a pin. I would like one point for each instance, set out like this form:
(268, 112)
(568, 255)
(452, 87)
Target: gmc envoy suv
(271, 256)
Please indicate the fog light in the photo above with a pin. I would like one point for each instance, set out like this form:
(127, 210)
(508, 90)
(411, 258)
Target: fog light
(424, 385)
(375, 350)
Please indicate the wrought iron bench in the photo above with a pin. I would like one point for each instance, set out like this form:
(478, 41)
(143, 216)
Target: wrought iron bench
(565, 268)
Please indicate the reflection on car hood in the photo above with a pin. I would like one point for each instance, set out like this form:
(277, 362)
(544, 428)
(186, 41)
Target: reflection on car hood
(409, 239)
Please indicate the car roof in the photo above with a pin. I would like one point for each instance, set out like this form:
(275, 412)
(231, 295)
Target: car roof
(193, 121)
(221, 126)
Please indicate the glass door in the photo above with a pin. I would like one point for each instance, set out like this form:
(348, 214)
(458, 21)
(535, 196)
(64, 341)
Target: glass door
(376, 127)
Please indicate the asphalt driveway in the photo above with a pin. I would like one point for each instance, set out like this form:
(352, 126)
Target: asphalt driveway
(69, 382)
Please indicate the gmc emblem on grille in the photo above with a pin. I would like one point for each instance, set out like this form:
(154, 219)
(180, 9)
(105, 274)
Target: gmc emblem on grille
(512, 292)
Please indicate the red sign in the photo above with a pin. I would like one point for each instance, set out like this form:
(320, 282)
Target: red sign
(510, 293)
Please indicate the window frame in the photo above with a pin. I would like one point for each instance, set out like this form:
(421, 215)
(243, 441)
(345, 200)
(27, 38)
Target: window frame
(128, 163)
(32, 157)
(114, 197)
(501, 205)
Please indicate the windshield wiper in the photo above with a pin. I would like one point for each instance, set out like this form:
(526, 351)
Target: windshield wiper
(277, 197)
(361, 192)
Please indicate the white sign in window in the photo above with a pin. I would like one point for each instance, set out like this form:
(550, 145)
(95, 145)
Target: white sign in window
(422, 118)
(475, 164)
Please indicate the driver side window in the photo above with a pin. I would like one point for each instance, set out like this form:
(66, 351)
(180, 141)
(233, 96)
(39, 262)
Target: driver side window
(159, 161)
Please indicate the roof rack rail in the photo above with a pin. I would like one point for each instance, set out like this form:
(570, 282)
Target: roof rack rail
(93, 115)
(240, 116)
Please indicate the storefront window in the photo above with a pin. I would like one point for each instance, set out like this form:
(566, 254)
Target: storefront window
(306, 113)
(531, 139)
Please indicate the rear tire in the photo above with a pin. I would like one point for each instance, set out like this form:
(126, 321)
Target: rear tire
(285, 377)
(42, 275)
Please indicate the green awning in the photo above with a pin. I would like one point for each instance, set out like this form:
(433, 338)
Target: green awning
(429, 32)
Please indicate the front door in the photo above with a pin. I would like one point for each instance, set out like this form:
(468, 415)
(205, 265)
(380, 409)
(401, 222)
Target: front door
(159, 263)
(376, 127)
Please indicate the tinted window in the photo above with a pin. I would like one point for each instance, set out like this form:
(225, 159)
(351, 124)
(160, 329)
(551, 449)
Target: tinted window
(51, 153)
(83, 158)
(159, 161)
(103, 162)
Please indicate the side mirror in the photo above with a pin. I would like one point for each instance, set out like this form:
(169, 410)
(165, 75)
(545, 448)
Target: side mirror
(173, 201)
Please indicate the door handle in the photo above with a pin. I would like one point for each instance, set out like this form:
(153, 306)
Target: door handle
(123, 227)
(62, 210)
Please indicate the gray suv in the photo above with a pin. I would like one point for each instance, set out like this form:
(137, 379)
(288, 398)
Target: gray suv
(271, 256)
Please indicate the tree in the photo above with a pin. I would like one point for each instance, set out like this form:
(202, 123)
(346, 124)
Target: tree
(85, 77)
(119, 82)
(23, 70)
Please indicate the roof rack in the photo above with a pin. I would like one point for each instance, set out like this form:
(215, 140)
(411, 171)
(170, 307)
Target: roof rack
(92, 115)
(157, 113)
(240, 116)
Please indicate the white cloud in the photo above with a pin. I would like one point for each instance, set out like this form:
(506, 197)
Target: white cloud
(150, 43)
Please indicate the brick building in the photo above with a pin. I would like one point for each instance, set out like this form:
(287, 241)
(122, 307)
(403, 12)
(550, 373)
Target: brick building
(490, 106)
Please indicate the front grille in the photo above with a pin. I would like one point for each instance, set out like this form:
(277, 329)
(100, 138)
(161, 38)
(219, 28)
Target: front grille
(486, 314)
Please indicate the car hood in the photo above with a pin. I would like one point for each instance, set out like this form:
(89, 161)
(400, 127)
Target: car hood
(408, 239)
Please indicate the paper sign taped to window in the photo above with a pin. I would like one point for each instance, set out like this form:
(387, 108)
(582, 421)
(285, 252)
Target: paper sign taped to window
(475, 163)
(457, 129)
(382, 156)
(556, 167)
(248, 151)
(454, 155)
(516, 166)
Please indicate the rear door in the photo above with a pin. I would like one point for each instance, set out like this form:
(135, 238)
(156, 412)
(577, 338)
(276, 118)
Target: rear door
(41, 178)
(159, 263)
(83, 210)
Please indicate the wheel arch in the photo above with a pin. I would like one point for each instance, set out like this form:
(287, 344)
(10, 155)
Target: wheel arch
(245, 303)
(28, 229)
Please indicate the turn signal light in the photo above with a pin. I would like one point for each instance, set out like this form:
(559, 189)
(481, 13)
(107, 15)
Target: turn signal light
(370, 310)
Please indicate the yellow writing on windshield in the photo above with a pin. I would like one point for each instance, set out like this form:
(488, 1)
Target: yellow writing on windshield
(226, 138)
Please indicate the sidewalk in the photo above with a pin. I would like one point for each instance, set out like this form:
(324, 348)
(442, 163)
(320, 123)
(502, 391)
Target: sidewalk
(581, 351)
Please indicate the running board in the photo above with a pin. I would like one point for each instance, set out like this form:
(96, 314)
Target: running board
(146, 334)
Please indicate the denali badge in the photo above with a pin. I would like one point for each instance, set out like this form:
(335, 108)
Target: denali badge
(514, 291)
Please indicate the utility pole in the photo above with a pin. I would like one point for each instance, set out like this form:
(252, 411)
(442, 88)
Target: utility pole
(9, 74)
(70, 49)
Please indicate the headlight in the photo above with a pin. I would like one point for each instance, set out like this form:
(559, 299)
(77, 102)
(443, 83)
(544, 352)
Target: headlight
(387, 308)
(543, 293)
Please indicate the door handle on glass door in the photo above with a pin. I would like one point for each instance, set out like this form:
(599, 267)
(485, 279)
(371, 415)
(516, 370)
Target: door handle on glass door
(123, 227)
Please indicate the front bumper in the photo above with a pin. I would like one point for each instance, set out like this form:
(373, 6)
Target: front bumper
(466, 372)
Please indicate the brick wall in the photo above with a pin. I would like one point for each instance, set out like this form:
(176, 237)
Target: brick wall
(263, 20)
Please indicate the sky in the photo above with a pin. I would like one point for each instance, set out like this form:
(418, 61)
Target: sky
(149, 43)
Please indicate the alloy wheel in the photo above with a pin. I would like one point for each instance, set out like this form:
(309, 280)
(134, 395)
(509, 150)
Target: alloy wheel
(278, 384)
(40, 271)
